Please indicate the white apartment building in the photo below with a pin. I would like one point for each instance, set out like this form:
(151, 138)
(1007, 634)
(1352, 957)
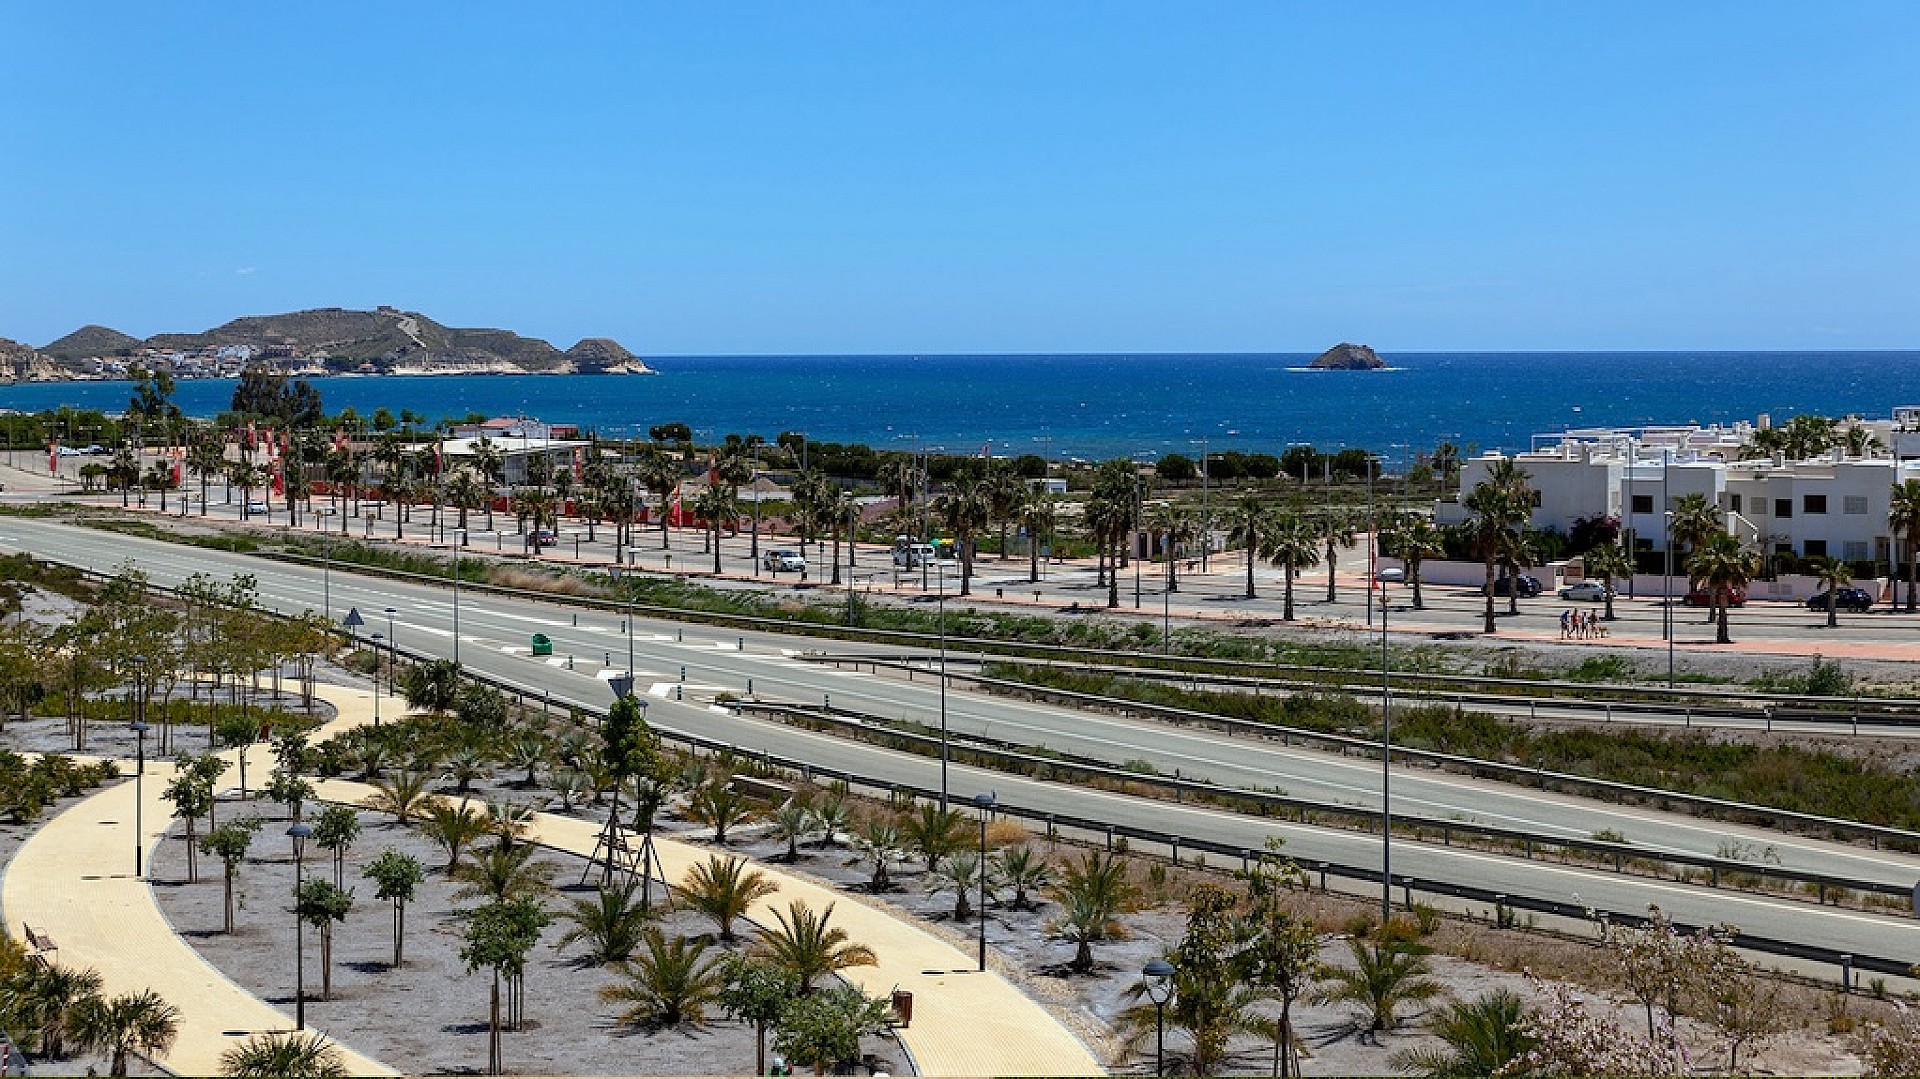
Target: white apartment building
(1835, 505)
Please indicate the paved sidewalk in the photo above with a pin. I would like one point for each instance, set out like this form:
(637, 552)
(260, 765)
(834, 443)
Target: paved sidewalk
(73, 880)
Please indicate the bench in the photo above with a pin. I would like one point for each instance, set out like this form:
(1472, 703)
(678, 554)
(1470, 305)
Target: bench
(765, 789)
(41, 946)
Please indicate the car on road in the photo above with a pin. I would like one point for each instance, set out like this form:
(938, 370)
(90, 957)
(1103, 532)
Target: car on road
(788, 561)
(1391, 575)
(545, 537)
(1527, 586)
(1703, 597)
(1592, 591)
(257, 507)
(1847, 599)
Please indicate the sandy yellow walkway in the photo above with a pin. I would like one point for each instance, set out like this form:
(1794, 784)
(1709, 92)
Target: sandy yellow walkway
(73, 880)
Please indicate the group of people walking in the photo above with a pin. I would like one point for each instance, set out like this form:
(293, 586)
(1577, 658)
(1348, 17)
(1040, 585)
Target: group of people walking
(1580, 625)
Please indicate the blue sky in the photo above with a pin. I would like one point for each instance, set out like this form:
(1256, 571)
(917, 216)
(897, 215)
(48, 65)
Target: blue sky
(998, 177)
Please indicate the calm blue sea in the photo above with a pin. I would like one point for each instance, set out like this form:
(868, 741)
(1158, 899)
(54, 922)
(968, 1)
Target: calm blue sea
(1105, 406)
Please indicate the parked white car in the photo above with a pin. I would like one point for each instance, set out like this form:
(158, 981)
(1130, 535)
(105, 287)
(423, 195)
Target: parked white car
(783, 561)
(1591, 591)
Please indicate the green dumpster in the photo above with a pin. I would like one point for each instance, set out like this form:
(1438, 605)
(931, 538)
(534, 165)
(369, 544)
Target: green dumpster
(542, 645)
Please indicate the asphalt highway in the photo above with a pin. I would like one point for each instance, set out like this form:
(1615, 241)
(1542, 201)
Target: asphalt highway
(696, 661)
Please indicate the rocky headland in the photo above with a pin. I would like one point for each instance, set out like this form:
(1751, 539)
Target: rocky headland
(320, 341)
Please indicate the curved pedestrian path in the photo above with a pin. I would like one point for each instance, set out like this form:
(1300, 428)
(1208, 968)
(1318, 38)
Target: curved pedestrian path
(73, 881)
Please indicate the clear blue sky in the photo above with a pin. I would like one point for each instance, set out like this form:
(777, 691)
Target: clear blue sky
(1003, 177)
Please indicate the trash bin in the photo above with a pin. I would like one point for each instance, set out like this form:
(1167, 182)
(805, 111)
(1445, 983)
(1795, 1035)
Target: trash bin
(902, 1008)
(542, 645)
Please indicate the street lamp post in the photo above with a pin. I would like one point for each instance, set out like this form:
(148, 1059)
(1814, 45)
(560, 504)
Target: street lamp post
(376, 677)
(944, 755)
(299, 833)
(983, 802)
(1159, 979)
(393, 650)
(139, 774)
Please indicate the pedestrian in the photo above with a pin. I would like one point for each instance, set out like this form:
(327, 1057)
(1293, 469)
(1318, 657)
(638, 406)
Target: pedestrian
(1566, 623)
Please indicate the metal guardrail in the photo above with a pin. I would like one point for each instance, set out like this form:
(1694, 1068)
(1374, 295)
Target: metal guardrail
(1845, 962)
(1531, 843)
(1152, 661)
(1178, 846)
(1471, 765)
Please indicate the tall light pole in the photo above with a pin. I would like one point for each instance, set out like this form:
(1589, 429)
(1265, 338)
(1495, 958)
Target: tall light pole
(1159, 981)
(983, 802)
(1666, 465)
(1206, 517)
(139, 796)
(377, 637)
(393, 650)
(299, 833)
(456, 606)
(944, 755)
(1386, 759)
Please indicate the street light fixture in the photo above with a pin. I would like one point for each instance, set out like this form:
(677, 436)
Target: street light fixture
(944, 755)
(300, 832)
(140, 771)
(983, 802)
(376, 677)
(393, 652)
(1159, 980)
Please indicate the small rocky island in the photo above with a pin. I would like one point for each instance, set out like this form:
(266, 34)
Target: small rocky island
(1349, 357)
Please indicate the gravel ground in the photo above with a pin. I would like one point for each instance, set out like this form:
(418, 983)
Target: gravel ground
(430, 1016)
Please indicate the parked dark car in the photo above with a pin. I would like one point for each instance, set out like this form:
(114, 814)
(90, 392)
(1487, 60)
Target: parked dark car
(1848, 599)
(1703, 597)
(1527, 586)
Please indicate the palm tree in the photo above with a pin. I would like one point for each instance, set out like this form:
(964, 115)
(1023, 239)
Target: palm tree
(1107, 521)
(879, 843)
(465, 492)
(1293, 544)
(839, 508)
(1022, 870)
(503, 872)
(668, 983)
(453, 826)
(611, 922)
(719, 806)
(1252, 517)
(283, 1056)
(1386, 973)
(1039, 514)
(1608, 561)
(793, 822)
(960, 874)
(1833, 575)
(1493, 529)
(490, 461)
(1413, 538)
(1336, 531)
(805, 945)
(49, 999)
(724, 889)
(139, 1022)
(1483, 1037)
(1177, 527)
(1721, 566)
(1903, 516)
(403, 796)
(933, 833)
(1694, 521)
(1005, 492)
(659, 473)
(718, 508)
(964, 510)
(1092, 894)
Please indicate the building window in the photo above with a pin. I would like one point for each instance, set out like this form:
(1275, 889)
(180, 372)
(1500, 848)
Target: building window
(1815, 548)
(1814, 503)
(1643, 503)
(1783, 507)
(1733, 503)
(1856, 550)
(1759, 507)
(1854, 504)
